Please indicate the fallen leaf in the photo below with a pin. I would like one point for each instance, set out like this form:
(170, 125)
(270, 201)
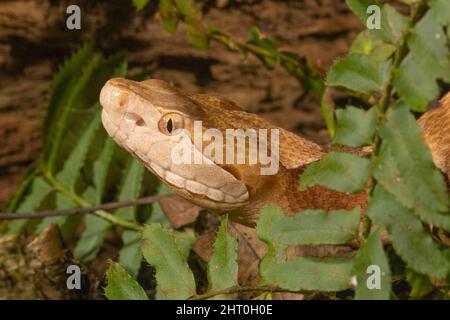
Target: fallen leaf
(179, 211)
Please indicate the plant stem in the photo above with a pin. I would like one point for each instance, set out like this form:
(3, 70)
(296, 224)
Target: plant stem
(383, 105)
(80, 201)
(305, 71)
(301, 68)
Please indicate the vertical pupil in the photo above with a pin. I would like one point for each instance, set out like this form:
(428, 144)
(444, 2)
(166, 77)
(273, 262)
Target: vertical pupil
(169, 125)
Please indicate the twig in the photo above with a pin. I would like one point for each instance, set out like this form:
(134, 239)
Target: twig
(81, 210)
(239, 289)
(99, 210)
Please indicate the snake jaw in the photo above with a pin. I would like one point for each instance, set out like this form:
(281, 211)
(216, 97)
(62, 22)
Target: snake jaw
(131, 118)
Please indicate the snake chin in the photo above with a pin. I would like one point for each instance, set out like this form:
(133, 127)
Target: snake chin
(194, 189)
(205, 202)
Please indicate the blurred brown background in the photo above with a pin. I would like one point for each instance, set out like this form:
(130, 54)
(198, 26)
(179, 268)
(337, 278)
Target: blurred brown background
(34, 41)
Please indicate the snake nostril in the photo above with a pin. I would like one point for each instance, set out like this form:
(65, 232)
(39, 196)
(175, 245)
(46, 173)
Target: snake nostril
(117, 99)
(140, 122)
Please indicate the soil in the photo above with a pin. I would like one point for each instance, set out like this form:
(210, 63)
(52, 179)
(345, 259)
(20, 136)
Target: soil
(34, 42)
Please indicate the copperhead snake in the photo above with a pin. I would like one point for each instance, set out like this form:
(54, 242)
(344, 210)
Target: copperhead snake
(142, 117)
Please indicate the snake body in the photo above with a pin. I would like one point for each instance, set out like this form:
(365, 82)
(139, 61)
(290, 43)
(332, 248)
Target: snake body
(143, 118)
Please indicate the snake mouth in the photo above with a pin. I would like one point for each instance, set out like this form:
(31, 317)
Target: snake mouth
(195, 188)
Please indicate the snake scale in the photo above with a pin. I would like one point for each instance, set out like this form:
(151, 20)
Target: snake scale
(143, 117)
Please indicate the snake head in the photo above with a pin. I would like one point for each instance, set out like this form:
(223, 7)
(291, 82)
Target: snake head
(155, 123)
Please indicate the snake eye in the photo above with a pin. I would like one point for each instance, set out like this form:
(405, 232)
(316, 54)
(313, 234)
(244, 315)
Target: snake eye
(170, 123)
